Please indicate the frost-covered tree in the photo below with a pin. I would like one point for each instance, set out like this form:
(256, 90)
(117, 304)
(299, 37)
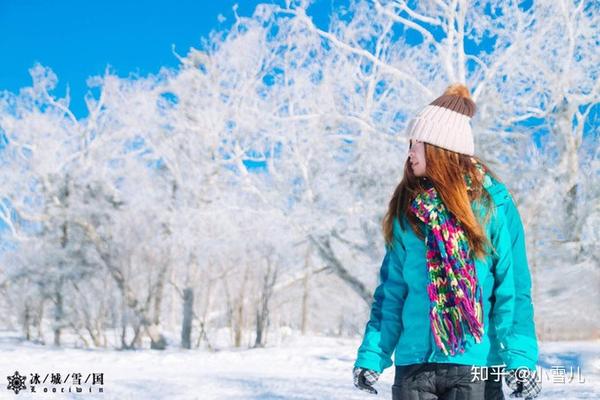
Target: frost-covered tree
(246, 188)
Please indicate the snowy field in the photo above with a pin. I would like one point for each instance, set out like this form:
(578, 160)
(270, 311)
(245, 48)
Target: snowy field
(300, 368)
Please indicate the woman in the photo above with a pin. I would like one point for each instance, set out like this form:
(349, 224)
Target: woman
(454, 293)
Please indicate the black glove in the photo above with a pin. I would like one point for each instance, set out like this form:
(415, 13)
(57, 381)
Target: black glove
(523, 382)
(364, 379)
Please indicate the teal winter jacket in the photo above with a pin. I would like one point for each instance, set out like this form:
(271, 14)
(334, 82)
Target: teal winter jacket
(399, 317)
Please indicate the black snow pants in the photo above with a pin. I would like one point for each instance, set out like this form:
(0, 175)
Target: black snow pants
(432, 381)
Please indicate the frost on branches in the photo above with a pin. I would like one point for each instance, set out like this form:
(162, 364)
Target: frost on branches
(245, 189)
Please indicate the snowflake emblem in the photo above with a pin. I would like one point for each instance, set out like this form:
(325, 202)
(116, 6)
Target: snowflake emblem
(16, 382)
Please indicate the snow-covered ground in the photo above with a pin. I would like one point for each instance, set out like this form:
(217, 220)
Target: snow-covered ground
(311, 367)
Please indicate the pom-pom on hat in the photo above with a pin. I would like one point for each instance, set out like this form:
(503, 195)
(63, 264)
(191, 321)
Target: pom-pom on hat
(445, 122)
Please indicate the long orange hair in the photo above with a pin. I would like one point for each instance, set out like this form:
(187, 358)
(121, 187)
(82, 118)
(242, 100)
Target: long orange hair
(445, 170)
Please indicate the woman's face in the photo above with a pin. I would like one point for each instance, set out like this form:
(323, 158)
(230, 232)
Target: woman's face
(416, 156)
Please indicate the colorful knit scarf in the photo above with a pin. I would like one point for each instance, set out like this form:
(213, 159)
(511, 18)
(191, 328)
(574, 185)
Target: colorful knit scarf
(454, 292)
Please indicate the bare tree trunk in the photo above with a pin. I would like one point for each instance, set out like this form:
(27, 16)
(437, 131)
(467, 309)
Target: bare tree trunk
(97, 326)
(124, 330)
(38, 321)
(27, 320)
(238, 322)
(172, 300)
(188, 315)
(136, 342)
(59, 300)
(58, 312)
(262, 311)
(204, 336)
(237, 308)
(158, 294)
(228, 304)
(157, 339)
(305, 291)
(124, 324)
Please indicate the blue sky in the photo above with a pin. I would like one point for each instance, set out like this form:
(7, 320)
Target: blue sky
(78, 39)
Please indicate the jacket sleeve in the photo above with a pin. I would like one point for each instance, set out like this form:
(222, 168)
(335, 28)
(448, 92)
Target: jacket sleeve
(385, 323)
(502, 311)
(521, 341)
